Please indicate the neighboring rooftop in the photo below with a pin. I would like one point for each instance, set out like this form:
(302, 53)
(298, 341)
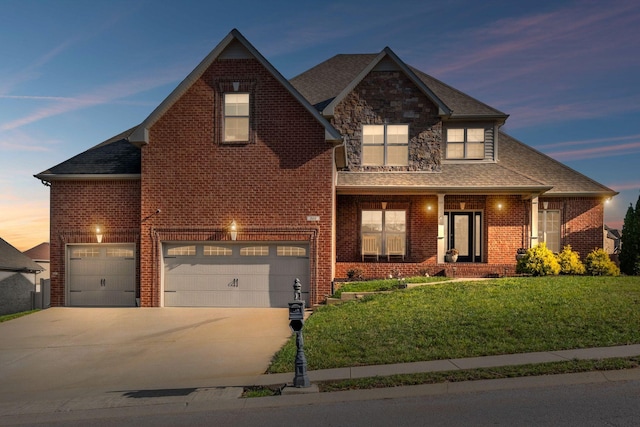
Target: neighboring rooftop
(39, 253)
(12, 259)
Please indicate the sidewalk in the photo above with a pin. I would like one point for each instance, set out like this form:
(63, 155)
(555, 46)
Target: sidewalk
(224, 393)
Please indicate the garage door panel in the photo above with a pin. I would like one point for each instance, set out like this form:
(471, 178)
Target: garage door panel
(234, 280)
(101, 275)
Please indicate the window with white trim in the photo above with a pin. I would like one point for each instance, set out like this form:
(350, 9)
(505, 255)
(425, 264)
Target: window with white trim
(385, 145)
(465, 143)
(385, 226)
(549, 229)
(189, 250)
(236, 117)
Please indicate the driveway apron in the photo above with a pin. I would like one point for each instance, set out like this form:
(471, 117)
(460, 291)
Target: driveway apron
(118, 349)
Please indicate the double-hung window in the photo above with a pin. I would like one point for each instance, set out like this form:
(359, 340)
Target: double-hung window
(549, 229)
(236, 117)
(385, 145)
(465, 143)
(387, 227)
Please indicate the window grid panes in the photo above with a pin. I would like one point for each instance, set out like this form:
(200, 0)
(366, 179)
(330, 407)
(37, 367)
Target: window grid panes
(385, 145)
(291, 251)
(549, 229)
(182, 251)
(85, 253)
(217, 251)
(383, 226)
(255, 251)
(236, 117)
(465, 143)
(119, 253)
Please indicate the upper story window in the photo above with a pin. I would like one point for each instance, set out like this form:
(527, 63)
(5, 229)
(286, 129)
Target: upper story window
(236, 117)
(385, 145)
(465, 143)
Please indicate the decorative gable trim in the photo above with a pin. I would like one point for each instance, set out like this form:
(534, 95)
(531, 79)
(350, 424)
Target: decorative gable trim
(382, 60)
(233, 45)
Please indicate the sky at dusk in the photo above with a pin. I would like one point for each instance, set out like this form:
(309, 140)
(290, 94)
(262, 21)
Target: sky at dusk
(74, 73)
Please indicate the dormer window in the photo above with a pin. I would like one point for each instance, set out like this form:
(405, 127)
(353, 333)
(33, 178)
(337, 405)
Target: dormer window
(385, 145)
(236, 117)
(465, 143)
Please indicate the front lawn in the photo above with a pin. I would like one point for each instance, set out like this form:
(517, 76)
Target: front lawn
(466, 319)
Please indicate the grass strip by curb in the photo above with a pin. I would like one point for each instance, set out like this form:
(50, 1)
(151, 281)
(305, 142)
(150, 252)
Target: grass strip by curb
(537, 369)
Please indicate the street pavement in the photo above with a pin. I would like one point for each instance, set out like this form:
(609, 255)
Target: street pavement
(65, 362)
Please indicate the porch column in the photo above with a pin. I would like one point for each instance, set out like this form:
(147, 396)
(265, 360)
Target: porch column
(534, 221)
(442, 242)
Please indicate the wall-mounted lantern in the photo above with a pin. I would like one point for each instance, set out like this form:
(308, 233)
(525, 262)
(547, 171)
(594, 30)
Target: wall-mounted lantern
(98, 234)
(233, 230)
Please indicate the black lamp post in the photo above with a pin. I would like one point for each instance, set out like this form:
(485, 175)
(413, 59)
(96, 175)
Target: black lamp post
(296, 322)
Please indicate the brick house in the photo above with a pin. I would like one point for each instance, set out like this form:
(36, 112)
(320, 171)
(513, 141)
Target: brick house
(241, 181)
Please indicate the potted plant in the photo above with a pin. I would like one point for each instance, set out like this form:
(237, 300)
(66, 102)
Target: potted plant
(451, 255)
(520, 253)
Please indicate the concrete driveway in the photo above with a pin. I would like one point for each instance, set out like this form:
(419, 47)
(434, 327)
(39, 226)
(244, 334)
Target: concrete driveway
(65, 351)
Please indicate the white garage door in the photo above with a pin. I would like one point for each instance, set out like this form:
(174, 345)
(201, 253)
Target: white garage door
(102, 275)
(256, 274)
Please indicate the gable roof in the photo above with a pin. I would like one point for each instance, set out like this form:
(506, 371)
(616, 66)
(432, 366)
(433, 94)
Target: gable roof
(12, 259)
(39, 252)
(115, 158)
(520, 170)
(328, 82)
(140, 135)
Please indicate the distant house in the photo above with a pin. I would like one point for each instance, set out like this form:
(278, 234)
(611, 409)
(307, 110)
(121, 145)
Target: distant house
(18, 276)
(40, 254)
(612, 240)
(241, 181)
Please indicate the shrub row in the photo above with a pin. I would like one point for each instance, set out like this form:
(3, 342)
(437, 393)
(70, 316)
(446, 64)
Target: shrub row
(541, 261)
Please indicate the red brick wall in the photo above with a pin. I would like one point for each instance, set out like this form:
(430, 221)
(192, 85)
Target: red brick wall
(77, 207)
(269, 185)
(582, 222)
(506, 221)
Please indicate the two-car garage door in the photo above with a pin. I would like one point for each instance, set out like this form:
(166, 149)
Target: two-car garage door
(223, 274)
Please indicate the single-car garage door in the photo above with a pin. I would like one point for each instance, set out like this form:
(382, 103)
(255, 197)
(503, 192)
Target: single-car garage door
(102, 275)
(213, 274)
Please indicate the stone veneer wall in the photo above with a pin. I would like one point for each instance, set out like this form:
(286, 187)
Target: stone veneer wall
(390, 97)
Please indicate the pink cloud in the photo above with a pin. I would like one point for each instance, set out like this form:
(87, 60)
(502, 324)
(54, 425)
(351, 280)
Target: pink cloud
(597, 152)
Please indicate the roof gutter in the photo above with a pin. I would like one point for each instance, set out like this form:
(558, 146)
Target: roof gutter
(45, 177)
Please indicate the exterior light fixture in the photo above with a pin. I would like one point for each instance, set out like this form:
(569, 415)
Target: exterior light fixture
(462, 205)
(384, 205)
(545, 205)
(98, 234)
(500, 205)
(233, 230)
(429, 208)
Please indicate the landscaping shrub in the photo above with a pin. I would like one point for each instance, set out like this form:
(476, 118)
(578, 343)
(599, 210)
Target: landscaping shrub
(570, 262)
(355, 274)
(539, 261)
(598, 263)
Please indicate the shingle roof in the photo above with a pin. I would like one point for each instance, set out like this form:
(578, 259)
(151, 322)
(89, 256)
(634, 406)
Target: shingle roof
(39, 253)
(529, 162)
(115, 156)
(12, 259)
(326, 80)
(521, 169)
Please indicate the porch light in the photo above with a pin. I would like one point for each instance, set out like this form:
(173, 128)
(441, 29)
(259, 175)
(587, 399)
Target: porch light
(233, 230)
(462, 205)
(499, 205)
(98, 234)
(545, 205)
(429, 208)
(384, 205)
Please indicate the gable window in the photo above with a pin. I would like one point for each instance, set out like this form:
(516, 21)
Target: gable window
(549, 229)
(385, 145)
(384, 232)
(236, 117)
(465, 143)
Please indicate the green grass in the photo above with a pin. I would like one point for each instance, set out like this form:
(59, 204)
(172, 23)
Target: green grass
(8, 317)
(467, 319)
(384, 284)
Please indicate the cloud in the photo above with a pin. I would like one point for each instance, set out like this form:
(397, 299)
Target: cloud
(101, 95)
(597, 152)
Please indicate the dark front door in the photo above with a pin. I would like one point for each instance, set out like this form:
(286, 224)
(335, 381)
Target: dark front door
(465, 235)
